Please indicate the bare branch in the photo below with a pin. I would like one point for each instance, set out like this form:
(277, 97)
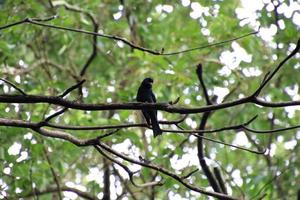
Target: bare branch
(200, 77)
(13, 85)
(200, 147)
(55, 115)
(271, 75)
(231, 145)
(86, 142)
(67, 91)
(108, 134)
(95, 141)
(119, 126)
(46, 19)
(269, 182)
(189, 174)
(53, 172)
(271, 131)
(175, 101)
(38, 22)
(32, 99)
(220, 180)
(166, 172)
(129, 172)
(80, 193)
(125, 183)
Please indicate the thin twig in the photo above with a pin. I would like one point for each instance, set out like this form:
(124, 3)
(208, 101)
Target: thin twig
(125, 183)
(54, 174)
(271, 75)
(67, 91)
(268, 183)
(120, 126)
(66, 136)
(108, 134)
(55, 115)
(129, 172)
(271, 131)
(80, 193)
(231, 145)
(189, 174)
(14, 86)
(38, 22)
(166, 172)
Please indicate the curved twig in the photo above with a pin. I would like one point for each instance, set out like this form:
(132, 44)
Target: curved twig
(39, 22)
(129, 172)
(14, 86)
(54, 115)
(73, 87)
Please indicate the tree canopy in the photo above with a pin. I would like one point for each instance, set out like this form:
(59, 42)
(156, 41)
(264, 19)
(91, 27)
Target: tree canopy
(225, 80)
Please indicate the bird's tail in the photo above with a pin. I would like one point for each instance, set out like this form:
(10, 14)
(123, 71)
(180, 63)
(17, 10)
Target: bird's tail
(155, 126)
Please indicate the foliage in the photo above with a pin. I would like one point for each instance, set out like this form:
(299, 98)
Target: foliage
(47, 61)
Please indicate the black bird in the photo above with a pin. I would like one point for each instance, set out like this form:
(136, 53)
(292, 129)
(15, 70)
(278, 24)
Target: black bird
(145, 94)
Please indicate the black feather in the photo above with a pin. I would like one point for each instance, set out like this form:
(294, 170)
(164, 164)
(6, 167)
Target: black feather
(145, 94)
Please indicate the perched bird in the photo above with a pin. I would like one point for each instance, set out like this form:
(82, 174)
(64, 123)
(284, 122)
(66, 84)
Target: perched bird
(145, 94)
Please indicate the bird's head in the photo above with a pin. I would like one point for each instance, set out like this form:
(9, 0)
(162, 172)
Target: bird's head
(147, 82)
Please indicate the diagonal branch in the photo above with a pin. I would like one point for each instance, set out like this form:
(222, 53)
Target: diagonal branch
(73, 87)
(14, 86)
(271, 75)
(129, 172)
(39, 22)
(54, 115)
(164, 171)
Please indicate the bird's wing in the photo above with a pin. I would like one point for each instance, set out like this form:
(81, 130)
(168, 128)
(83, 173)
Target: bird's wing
(153, 97)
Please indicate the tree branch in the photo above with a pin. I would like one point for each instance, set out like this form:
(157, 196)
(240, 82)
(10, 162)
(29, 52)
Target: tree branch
(80, 193)
(220, 180)
(164, 171)
(86, 142)
(54, 115)
(95, 141)
(14, 86)
(38, 22)
(32, 99)
(200, 147)
(129, 172)
(271, 75)
(77, 85)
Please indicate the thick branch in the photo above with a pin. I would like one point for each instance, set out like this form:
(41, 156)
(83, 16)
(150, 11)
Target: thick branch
(31, 99)
(200, 147)
(218, 176)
